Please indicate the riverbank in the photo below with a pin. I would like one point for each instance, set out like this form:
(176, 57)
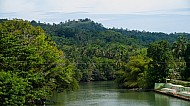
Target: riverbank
(177, 91)
(173, 95)
(106, 93)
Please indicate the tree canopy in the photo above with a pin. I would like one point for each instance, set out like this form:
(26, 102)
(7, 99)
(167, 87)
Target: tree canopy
(31, 65)
(36, 58)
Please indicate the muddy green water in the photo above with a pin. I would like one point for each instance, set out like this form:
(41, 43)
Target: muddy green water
(106, 94)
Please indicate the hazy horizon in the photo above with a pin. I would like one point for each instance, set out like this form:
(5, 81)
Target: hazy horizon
(156, 16)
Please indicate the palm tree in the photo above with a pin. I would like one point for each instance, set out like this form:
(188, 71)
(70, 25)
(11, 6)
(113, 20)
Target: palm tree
(179, 48)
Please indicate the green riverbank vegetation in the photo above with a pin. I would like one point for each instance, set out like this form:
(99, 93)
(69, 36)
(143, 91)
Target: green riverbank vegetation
(37, 58)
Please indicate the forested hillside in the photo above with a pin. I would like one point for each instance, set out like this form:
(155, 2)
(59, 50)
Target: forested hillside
(37, 58)
(70, 28)
(99, 52)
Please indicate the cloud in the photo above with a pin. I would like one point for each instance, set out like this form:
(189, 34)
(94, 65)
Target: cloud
(91, 6)
(17, 6)
(152, 15)
(156, 23)
(179, 11)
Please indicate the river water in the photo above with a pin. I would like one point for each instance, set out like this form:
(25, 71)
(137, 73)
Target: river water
(105, 93)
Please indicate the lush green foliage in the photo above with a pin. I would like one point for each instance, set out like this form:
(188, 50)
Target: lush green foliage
(31, 65)
(96, 51)
(186, 73)
(145, 38)
(179, 49)
(162, 59)
(106, 54)
(135, 71)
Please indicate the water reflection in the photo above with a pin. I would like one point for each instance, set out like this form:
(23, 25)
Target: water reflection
(106, 94)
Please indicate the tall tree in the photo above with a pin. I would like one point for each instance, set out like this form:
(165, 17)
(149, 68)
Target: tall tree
(186, 73)
(134, 74)
(31, 58)
(162, 61)
(179, 49)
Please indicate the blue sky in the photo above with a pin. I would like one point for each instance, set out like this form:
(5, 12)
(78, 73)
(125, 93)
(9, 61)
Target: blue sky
(149, 15)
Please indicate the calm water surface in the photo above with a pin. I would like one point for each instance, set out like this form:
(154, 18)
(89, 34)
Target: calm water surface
(106, 94)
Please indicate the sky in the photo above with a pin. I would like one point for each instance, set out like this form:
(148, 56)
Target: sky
(167, 16)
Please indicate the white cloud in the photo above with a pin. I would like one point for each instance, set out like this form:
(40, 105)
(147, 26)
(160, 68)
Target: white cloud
(130, 6)
(16, 6)
(118, 13)
(115, 6)
(93, 6)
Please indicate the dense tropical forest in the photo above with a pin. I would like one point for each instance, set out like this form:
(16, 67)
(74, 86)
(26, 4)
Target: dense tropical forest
(37, 58)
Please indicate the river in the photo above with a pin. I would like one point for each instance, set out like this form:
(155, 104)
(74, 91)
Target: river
(105, 93)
